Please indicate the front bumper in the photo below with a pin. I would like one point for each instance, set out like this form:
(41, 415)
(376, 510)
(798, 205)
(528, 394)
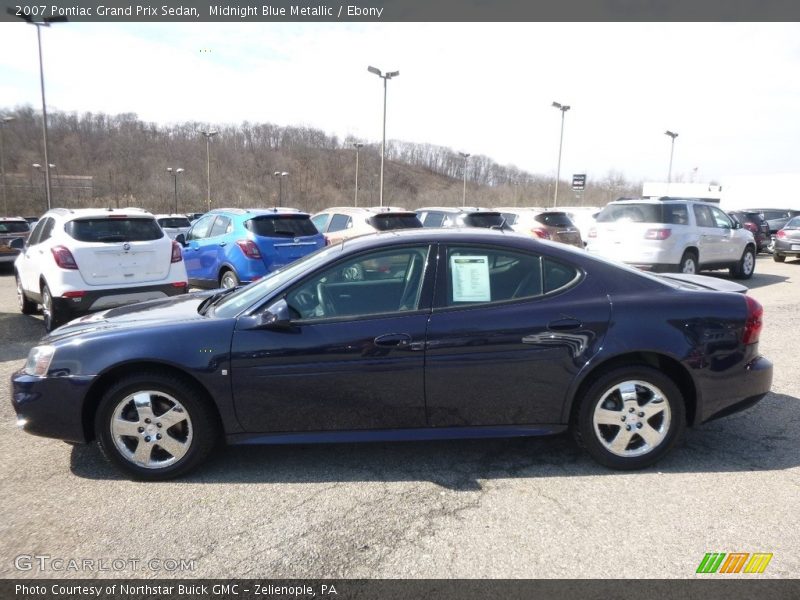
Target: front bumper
(51, 406)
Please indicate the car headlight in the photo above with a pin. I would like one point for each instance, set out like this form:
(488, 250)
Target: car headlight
(39, 359)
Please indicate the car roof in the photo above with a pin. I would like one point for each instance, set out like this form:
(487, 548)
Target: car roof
(14, 219)
(87, 213)
(171, 216)
(456, 209)
(257, 212)
(365, 210)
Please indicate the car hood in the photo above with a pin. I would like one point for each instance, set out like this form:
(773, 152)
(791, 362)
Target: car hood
(704, 282)
(165, 311)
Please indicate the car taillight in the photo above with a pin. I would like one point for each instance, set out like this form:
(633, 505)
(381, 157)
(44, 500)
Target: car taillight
(751, 227)
(754, 322)
(63, 257)
(177, 253)
(781, 233)
(540, 233)
(593, 232)
(249, 248)
(661, 233)
(75, 294)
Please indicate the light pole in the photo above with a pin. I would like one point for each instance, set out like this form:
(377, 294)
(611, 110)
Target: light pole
(39, 24)
(672, 135)
(465, 156)
(280, 175)
(357, 146)
(208, 135)
(44, 170)
(175, 173)
(385, 78)
(563, 108)
(3, 123)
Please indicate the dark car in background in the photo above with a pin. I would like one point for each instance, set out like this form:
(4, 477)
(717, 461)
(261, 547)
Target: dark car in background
(754, 222)
(787, 240)
(464, 333)
(229, 246)
(12, 228)
(776, 218)
(545, 224)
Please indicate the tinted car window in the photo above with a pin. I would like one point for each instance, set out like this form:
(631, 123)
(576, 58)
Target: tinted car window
(675, 214)
(557, 275)
(476, 275)
(483, 220)
(793, 223)
(174, 222)
(200, 228)
(282, 226)
(37, 232)
(721, 220)
(339, 222)
(220, 226)
(320, 221)
(388, 221)
(47, 229)
(554, 219)
(14, 227)
(511, 218)
(113, 229)
(433, 219)
(703, 216)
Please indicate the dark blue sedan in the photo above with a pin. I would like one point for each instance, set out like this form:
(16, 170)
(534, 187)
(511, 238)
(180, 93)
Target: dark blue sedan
(442, 334)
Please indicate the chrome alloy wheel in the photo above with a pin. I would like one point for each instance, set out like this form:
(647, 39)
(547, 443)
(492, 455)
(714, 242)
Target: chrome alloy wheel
(632, 418)
(748, 263)
(151, 429)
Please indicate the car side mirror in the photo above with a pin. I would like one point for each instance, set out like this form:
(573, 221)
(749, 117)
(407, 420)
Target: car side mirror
(17, 244)
(737, 225)
(277, 317)
(181, 239)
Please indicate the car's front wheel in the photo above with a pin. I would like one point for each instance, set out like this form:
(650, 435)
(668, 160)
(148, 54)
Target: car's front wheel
(629, 418)
(747, 264)
(154, 426)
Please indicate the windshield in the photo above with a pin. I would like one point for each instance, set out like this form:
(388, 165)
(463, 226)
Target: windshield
(675, 214)
(174, 222)
(282, 226)
(794, 223)
(388, 221)
(114, 229)
(14, 227)
(488, 219)
(250, 294)
(554, 219)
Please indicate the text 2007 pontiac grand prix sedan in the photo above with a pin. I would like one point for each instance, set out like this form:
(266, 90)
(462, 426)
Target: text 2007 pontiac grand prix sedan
(410, 335)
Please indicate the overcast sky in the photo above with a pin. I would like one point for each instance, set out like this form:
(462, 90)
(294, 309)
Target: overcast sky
(731, 91)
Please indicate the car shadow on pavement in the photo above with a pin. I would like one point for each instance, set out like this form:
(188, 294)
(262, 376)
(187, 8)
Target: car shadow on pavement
(19, 334)
(763, 438)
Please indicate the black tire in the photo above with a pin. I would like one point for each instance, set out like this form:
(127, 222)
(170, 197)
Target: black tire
(53, 315)
(779, 257)
(228, 279)
(689, 258)
(667, 425)
(746, 266)
(26, 306)
(197, 432)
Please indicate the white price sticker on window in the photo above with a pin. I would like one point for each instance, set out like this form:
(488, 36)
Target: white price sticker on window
(470, 278)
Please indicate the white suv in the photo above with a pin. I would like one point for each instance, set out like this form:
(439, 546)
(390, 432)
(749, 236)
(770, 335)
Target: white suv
(670, 234)
(85, 260)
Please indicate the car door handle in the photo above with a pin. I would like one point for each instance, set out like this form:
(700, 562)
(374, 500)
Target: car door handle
(223, 243)
(564, 325)
(399, 340)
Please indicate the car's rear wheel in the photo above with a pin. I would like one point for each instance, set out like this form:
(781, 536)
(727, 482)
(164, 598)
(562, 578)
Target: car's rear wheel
(779, 257)
(26, 307)
(746, 265)
(688, 263)
(53, 315)
(629, 418)
(228, 279)
(155, 427)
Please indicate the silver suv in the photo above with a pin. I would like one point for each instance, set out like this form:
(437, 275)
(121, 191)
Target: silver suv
(669, 234)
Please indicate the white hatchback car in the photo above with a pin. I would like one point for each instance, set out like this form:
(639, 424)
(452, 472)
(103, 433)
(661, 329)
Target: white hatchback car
(85, 260)
(173, 225)
(670, 234)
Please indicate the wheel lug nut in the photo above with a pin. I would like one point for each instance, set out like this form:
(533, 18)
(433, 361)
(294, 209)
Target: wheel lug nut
(158, 425)
(624, 417)
(641, 414)
(627, 427)
(158, 436)
(638, 426)
(148, 421)
(147, 438)
(141, 429)
(630, 409)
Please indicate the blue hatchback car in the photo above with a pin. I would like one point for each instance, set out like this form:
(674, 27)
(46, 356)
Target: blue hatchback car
(229, 246)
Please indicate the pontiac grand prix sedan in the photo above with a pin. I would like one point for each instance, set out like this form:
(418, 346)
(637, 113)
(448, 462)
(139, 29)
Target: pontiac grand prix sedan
(447, 333)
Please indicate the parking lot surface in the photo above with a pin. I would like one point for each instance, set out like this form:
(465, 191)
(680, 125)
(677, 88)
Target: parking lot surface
(488, 508)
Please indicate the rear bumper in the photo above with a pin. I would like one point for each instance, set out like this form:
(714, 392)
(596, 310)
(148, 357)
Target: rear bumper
(785, 247)
(738, 391)
(50, 406)
(96, 300)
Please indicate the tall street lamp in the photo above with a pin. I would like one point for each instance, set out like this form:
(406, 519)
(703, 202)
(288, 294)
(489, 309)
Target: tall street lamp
(563, 108)
(465, 156)
(208, 135)
(385, 78)
(357, 146)
(3, 123)
(175, 173)
(39, 24)
(280, 175)
(673, 135)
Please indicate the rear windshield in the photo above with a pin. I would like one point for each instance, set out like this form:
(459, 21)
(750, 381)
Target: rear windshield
(484, 220)
(282, 226)
(385, 222)
(114, 229)
(14, 227)
(676, 214)
(794, 223)
(554, 219)
(174, 222)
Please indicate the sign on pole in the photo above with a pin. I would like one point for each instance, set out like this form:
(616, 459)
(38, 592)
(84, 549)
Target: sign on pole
(579, 182)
